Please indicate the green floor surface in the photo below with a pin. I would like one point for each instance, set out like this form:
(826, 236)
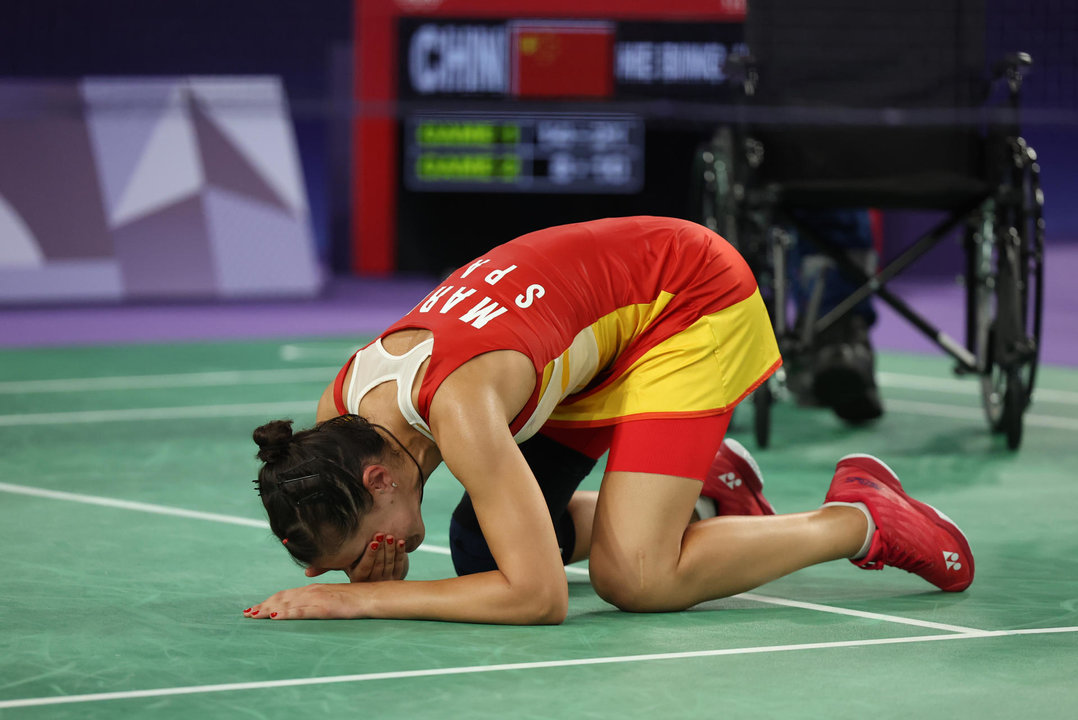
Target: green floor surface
(116, 604)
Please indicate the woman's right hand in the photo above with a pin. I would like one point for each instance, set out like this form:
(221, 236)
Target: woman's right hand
(383, 559)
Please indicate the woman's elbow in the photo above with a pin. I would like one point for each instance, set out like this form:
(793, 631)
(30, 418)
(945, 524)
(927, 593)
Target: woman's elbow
(554, 611)
(546, 605)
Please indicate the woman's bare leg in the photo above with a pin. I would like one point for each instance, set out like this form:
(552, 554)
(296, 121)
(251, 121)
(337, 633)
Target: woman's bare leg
(644, 558)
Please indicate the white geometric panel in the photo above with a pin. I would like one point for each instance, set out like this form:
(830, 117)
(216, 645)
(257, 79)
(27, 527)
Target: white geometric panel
(258, 249)
(18, 248)
(187, 195)
(121, 115)
(168, 170)
(253, 114)
(71, 280)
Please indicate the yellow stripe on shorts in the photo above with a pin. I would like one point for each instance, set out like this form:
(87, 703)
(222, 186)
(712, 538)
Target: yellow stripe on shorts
(705, 369)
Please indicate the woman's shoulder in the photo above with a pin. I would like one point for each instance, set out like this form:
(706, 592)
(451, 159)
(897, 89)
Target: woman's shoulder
(502, 379)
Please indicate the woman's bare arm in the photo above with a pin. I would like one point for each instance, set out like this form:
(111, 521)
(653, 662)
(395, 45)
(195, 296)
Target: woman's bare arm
(469, 421)
(327, 408)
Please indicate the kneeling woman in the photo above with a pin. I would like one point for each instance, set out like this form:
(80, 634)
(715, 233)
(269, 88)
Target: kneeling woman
(636, 336)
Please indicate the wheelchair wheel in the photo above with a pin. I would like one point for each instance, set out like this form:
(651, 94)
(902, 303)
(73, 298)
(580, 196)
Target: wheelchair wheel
(1009, 296)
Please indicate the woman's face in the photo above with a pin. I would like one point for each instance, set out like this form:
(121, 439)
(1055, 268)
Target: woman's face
(395, 513)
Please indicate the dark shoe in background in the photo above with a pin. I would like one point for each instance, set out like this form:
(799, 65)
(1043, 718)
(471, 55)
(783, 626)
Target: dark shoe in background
(844, 371)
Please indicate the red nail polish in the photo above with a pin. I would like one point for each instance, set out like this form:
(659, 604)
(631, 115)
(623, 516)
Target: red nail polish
(374, 546)
(255, 612)
(379, 537)
(400, 543)
(273, 614)
(389, 540)
(247, 610)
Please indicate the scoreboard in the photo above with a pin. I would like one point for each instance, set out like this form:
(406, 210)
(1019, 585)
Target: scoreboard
(479, 121)
(524, 152)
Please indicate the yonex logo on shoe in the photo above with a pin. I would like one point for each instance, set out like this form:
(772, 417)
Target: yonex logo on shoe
(951, 558)
(730, 480)
(862, 481)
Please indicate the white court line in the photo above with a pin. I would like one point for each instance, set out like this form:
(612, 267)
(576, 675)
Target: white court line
(954, 386)
(336, 351)
(171, 380)
(473, 669)
(188, 412)
(771, 600)
(859, 613)
(129, 505)
(185, 412)
(969, 386)
(912, 407)
(435, 549)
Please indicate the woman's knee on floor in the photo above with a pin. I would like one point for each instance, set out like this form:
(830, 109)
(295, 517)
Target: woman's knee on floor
(635, 581)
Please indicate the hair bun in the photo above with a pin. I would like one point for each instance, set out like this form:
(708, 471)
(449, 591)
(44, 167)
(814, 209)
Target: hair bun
(273, 440)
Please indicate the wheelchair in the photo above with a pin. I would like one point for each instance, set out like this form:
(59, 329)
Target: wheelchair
(932, 131)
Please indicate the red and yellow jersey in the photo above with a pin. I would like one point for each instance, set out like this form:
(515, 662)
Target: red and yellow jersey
(623, 318)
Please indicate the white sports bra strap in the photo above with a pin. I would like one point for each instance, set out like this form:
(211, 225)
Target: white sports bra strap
(374, 365)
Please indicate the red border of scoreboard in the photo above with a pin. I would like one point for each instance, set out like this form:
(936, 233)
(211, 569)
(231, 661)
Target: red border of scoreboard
(374, 127)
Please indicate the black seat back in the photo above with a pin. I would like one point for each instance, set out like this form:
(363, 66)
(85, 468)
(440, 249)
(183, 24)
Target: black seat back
(881, 91)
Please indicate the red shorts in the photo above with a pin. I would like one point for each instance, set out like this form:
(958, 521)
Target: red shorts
(684, 447)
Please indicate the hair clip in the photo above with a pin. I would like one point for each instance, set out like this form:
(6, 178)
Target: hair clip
(309, 498)
(301, 478)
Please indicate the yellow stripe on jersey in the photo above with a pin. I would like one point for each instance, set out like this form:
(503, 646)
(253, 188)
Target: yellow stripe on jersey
(548, 372)
(705, 369)
(568, 373)
(593, 348)
(614, 331)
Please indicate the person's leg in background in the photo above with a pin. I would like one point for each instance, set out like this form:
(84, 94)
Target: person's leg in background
(839, 371)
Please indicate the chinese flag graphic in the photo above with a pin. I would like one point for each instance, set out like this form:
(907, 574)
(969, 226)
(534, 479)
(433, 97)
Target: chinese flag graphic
(570, 59)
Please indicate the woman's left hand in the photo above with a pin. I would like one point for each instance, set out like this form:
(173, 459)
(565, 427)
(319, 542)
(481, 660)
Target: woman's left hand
(313, 602)
(384, 559)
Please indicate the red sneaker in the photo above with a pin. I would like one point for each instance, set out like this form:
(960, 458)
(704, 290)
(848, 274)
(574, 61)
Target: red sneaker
(910, 534)
(734, 482)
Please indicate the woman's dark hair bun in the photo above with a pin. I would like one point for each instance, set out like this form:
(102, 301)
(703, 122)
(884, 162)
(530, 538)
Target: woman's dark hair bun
(273, 440)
